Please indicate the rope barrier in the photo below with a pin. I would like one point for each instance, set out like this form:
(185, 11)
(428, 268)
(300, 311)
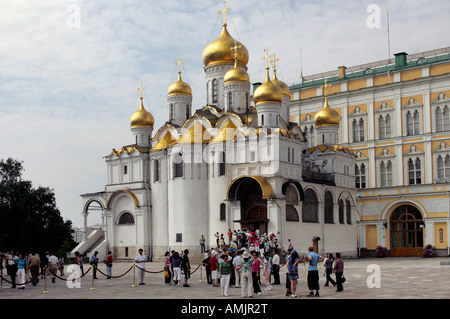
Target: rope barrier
(126, 272)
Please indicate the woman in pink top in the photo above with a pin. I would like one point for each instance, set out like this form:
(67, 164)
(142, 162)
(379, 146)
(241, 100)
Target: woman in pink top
(255, 273)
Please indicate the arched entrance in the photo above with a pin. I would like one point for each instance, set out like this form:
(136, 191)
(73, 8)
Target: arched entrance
(406, 231)
(252, 192)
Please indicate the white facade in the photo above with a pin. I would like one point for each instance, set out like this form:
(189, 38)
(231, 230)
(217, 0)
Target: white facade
(222, 169)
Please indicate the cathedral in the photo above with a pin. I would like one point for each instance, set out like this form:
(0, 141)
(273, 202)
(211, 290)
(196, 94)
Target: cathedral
(238, 162)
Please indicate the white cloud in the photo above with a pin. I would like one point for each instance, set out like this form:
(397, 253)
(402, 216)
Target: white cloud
(66, 95)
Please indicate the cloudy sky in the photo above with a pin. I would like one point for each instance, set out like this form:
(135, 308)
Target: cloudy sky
(69, 70)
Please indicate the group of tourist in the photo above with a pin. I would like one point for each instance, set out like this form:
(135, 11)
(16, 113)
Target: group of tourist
(22, 267)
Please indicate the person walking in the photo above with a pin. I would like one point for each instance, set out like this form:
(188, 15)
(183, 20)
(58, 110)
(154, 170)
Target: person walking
(276, 267)
(224, 274)
(186, 266)
(255, 274)
(140, 261)
(237, 263)
(34, 263)
(339, 272)
(246, 275)
(61, 265)
(202, 244)
(292, 267)
(11, 267)
(109, 264)
(329, 270)
(52, 266)
(176, 263)
(267, 270)
(313, 272)
(22, 269)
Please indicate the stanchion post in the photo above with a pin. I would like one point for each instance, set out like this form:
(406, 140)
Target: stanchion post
(92, 286)
(45, 281)
(134, 276)
(201, 267)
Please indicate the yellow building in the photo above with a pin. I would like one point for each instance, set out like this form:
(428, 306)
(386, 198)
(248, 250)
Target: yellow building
(395, 116)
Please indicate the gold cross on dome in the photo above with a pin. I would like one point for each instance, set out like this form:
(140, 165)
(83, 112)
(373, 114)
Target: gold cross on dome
(325, 88)
(267, 57)
(235, 49)
(179, 62)
(274, 61)
(224, 12)
(141, 89)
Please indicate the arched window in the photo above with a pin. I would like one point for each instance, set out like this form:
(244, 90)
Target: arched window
(214, 91)
(126, 219)
(178, 165)
(442, 119)
(414, 171)
(341, 211)
(358, 130)
(384, 126)
(223, 211)
(386, 173)
(328, 208)
(188, 113)
(156, 170)
(360, 176)
(412, 123)
(443, 165)
(348, 208)
(310, 207)
(230, 100)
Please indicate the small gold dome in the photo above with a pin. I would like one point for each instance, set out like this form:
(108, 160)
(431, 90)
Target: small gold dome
(327, 116)
(268, 92)
(283, 86)
(142, 118)
(218, 51)
(236, 74)
(179, 87)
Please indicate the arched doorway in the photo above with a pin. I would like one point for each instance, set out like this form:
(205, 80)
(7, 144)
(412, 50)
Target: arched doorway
(406, 231)
(252, 193)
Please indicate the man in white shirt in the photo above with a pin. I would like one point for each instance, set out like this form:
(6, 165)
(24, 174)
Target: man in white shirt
(52, 266)
(140, 264)
(237, 263)
(276, 267)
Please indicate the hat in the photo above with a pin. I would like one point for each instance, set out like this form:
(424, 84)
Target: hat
(245, 254)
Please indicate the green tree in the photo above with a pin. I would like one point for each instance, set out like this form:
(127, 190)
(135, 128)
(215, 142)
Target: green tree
(29, 218)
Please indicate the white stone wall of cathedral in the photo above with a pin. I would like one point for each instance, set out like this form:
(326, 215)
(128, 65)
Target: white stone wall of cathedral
(179, 106)
(187, 206)
(240, 99)
(159, 203)
(216, 72)
(285, 110)
(268, 114)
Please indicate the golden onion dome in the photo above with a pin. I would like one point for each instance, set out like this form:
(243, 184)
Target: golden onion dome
(218, 51)
(142, 118)
(236, 74)
(327, 116)
(268, 92)
(283, 86)
(179, 87)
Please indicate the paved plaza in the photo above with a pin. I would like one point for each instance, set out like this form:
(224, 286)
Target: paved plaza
(367, 278)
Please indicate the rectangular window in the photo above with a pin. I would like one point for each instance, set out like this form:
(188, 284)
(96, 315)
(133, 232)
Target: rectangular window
(125, 169)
